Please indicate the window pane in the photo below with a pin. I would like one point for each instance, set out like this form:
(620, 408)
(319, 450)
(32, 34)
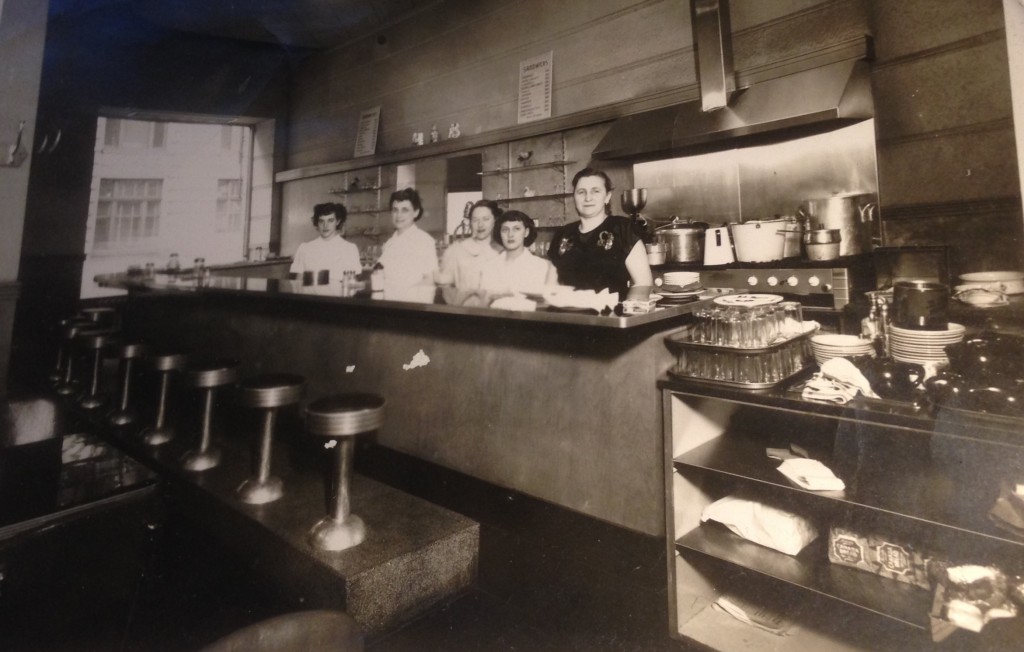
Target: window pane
(112, 133)
(158, 134)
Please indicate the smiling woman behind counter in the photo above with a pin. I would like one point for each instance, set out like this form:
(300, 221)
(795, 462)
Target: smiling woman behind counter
(409, 257)
(600, 250)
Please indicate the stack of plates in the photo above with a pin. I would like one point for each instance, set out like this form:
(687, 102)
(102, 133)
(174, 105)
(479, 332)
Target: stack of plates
(830, 345)
(680, 287)
(923, 347)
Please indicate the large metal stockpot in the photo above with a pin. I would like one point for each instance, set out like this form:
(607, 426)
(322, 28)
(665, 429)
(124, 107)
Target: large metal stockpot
(683, 240)
(852, 213)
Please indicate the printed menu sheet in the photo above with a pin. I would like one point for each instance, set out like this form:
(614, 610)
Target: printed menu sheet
(366, 136)
(535, 88)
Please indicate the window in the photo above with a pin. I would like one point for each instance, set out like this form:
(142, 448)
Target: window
(137, 134)
(229, 205)
(128, 212)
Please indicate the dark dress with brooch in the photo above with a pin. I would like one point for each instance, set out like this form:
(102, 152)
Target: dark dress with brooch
(597, 259)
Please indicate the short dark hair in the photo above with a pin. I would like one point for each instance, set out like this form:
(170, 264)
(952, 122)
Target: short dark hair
(327, 208)
(489, 204)
(516, 216)
(592, 172)
(410, 195)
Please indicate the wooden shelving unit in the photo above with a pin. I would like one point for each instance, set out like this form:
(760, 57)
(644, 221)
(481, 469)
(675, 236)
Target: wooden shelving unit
(926, 480)
(524, 168)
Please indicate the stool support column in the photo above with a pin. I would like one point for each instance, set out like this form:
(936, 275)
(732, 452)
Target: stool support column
(160, 434)
(263, 488)
(92, 400)
(340, 501)
(122, 415)
(206, 456)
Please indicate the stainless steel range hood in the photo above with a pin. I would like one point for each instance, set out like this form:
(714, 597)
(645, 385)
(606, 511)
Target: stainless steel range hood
(811, 101)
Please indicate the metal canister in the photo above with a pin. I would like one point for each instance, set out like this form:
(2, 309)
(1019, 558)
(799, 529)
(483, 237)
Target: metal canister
(920, 305)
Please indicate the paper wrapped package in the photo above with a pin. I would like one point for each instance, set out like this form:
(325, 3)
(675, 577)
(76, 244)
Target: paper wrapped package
(881, 555)
(762, 524)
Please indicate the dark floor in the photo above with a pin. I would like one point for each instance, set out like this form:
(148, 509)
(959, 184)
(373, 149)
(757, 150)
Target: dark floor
(549, 580)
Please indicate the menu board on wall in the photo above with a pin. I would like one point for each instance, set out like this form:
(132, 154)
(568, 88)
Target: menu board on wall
(535, 88)
(366, 136)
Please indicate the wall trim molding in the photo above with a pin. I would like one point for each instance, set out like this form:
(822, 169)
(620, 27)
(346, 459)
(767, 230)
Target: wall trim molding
(10, 290)
(1002, 124)
(975, 41)
(1001, 206)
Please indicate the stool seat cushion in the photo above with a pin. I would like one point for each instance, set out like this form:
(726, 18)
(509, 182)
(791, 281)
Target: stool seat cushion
(303, 631)
(271, 390)
(212, 373)
(342, 415)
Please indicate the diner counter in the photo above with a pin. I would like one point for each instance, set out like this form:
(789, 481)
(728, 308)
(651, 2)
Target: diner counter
(561, 406)
(422, 298)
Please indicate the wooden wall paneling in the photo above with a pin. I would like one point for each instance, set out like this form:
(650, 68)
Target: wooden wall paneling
(970, 164)
(494, 185)
(943, 91)
(546, 183)
(909, 27)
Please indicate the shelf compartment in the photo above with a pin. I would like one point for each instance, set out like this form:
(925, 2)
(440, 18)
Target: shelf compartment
(811, 570)
(913, 495)
(561, 195)
(524, 168)
(352, 191)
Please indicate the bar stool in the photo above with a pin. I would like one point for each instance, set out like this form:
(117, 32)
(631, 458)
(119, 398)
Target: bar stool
(94, 341)
(69, 338)
(58, 374)
(163, 363)
(102, 316)
(208, 376)
(269, 392)
(340, 418)
(127, 353)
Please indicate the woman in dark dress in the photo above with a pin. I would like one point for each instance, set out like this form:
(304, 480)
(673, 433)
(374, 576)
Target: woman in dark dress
(600, 250)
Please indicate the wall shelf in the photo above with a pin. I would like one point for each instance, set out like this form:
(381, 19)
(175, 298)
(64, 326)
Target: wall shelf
(350, 191)
(524, 168)
(560, 195)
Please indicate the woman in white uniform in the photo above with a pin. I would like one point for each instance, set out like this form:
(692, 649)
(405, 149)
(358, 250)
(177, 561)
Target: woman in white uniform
(409, 257)
(330, 252)
(516, 270)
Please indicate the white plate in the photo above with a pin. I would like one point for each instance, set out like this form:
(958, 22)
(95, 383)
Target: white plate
(835, 339)
(1008, 282)
(748, 300)
(928, 335)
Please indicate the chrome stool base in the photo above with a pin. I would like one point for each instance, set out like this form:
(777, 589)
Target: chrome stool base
(333, 535)
(201, 460)
(255, 491)
(157, 436)
(122, 417)
(91, 402)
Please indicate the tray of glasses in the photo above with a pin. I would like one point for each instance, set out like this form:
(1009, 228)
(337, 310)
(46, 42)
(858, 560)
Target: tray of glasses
(763, 367)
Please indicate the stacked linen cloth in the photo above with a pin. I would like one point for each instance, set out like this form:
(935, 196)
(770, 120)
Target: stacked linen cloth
(839, 381)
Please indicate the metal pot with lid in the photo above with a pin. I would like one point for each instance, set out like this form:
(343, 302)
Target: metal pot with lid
(683, 240)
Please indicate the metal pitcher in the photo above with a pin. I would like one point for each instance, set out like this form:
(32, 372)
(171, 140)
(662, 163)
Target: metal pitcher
(852, 213)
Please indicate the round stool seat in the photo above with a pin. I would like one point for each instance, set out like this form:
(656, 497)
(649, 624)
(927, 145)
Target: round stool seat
(167, 361)
(98, 314)
(126, 350)
(343, 415)
(271, 390)
(92, 340)
(295, 632)
(212, 373)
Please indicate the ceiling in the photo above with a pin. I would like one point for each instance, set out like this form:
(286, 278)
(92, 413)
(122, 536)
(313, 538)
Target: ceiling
(314, 24)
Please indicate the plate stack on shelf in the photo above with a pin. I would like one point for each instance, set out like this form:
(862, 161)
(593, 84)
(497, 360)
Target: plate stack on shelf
(680, 287)
(832, 345)
(923, 347)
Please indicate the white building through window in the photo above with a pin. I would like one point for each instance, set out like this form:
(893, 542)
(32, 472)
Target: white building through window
(127, 213)
(229, 205)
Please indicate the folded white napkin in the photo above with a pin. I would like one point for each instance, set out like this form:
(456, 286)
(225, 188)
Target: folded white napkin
(839, 381)
(811, 475)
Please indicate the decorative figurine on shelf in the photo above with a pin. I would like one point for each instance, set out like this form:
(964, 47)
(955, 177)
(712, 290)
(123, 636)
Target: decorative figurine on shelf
(417, 138)
(355, 183)
(434, 135)
(529, 192)
(523, 157)
(454, 131)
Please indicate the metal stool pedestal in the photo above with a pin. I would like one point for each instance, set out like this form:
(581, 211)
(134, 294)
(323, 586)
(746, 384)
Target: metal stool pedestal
(128, 353)
(340, 418)
(268, 392)
(163, 363)
(208, 376)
